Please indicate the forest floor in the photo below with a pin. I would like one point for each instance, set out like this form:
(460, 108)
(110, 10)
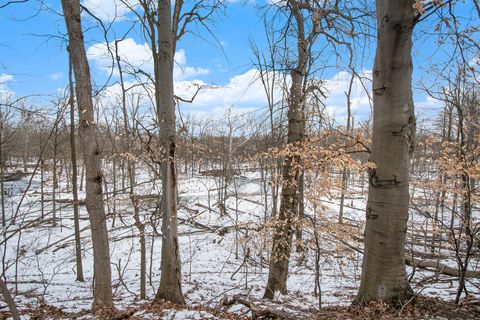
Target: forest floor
(224, 256)
(419, 308)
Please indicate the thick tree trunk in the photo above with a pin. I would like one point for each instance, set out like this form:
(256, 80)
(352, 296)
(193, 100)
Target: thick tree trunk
(102, 291)
(170, 281)
(383, 272)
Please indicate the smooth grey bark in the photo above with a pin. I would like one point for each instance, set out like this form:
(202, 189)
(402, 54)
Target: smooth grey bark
(102, 291)
(383, 271)
(170, 280)
(164, 27)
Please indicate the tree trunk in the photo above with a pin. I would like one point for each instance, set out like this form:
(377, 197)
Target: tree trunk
(102, 291)
(344, 181)
(131, 178)
(170, 281)
(42, 182)
(383, 271)
(73, 155)
(54, 176)
(282, 235)
(2, 173)
(9, 300)
(25, 152)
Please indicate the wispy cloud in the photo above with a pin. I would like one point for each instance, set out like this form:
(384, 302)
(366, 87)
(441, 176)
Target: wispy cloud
(56, 76)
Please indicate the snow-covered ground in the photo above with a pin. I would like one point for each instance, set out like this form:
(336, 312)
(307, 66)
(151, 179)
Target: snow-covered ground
(221, 254)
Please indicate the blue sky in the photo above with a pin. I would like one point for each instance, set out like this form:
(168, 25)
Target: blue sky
(33, 59)
(34, 53)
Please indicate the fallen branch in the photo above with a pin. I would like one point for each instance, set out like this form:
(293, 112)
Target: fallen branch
(258, 312)
(198, 224)
(38, 251)
(423, 264)
(439, 267)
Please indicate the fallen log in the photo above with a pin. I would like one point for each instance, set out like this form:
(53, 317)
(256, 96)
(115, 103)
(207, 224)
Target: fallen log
(198, 224)
(81, 202)
(439, 267)
(15, 176)
(258, 312)
(421, 263)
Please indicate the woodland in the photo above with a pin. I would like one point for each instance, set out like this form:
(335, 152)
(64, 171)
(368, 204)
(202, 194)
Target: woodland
(118, 204)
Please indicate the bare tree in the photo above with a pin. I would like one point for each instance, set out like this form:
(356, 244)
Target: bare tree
(282, 237)
(73, 155)
(164, 27)
(102, 292)
(308, 20)
(131, 177)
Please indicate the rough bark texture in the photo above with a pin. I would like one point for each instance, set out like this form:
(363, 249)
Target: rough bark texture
(282, 236)
(102, 291)
(383, 273)
(170, 281)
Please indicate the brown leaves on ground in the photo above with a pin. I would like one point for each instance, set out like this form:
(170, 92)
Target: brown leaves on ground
(420, 308)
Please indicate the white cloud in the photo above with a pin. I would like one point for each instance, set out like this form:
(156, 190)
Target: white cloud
(135, 56)
(182, 71)
(131, 54)
(338, 85)
(108, 10)
(245, 92)
(474, 65)
(428, 104)
(241, 90)
(5, 92)
(336, 89)
(4, 78)
(242, 93)
(56, 75)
